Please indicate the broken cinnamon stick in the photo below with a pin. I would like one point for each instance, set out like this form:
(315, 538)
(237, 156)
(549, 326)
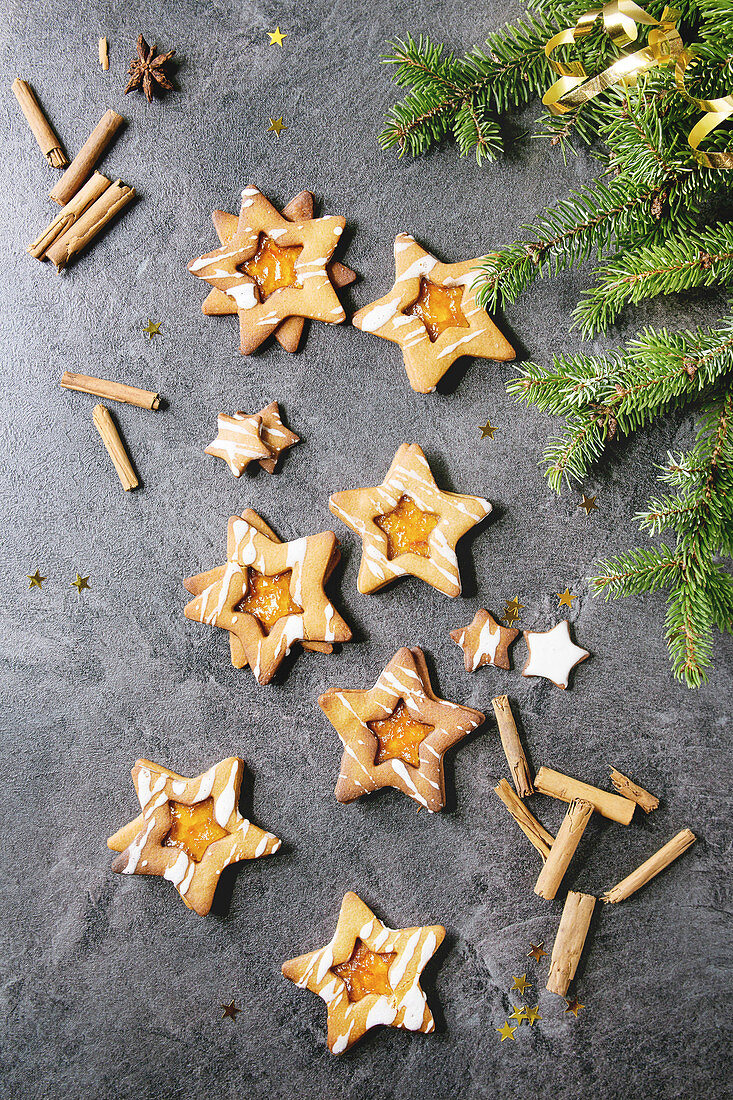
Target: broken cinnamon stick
(90, 224)
(650, 867)
(105, 425)
(568, 837)
(569, 941)
(49, 144)
(637, 794)
(111, 391)
(513, 750)
(87, 158)
(565, 788)
(530, 826)
(70, 214)
(104, 54)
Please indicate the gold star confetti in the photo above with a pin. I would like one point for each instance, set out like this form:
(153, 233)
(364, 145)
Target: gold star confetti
(487, 430)
(510, 617)
(518, 1014)
(153, 329)
(589, 503)
(566, 598)
(276, 126)
(80, 583)
(537, 950)
(276, 38)
(507, 1032)
(511, 611)
(521, 983)
(531, 1014)
(36, 579)
(230, 1011)
(573, 1005)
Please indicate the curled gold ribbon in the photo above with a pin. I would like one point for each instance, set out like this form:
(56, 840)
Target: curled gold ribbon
(716, 111)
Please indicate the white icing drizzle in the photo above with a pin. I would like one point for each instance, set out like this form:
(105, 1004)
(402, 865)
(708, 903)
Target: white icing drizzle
(378, 315)
(224, 803)
(420, 267)
(245, 295)
(488, 641)
(452, 347)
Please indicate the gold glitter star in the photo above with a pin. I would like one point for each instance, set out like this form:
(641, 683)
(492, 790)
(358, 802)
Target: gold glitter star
(531, 1014)
(511, 611)
(573, 1005)
(153, 329)
(518, 1014)
(566, 598)
(507, 1032)
(521, 983)
(276, 126)
(276, 38)
(537, 950)
(515, 605)
(230, 1011)
(487, 430)
(80, 583)
(589, 503)
(36, 579)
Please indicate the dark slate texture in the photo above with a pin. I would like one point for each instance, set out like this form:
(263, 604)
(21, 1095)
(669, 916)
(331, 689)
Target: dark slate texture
(111, 988)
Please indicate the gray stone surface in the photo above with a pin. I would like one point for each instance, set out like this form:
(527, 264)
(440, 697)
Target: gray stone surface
(110, 986)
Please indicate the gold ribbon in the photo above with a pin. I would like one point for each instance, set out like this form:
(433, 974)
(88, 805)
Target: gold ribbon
(716, 111)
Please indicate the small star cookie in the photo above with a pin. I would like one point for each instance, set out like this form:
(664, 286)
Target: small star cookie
(408, 525)
(244, 438)
(552, 654)
(368, 974)
(189, 829)
(484, 642)
(432, 313)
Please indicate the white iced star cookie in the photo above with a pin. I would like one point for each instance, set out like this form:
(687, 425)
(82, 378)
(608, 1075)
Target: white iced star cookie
(552, 654)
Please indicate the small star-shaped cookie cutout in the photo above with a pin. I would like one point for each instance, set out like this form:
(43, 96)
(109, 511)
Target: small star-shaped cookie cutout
(244, 438)
(484, 642)
(396, 733)
(552, 654)
(384, 515)
(519, 1014)
(189, 829)
(230, 1011)
(573, 1005)
(37, 580)
(565, 599)
(276, 126)
(520, 982)
(152, 329)
(589, 504)
(276, 37)
(531, 1015)
(487, 430)
(368, 974)
(537, 951)
(80, 583)
(507, 1032)
(432, 312)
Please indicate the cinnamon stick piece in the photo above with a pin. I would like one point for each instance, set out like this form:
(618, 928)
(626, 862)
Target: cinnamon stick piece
(568, 837)
(513, 750)
(87, 158)
(104, 54)
(569, 941)
(105, 425)
(530, 826)
(90, 224)
(49, 144)
(111, 391)
(637, 794)
(70, 214)
(651, 867)
(563, 787)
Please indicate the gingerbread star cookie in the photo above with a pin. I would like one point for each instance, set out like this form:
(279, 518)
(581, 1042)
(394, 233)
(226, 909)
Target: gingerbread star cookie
(189, 829)
(552, 654)
(484, 642)
(271, 269)
(269, 595)
(433, 314)
(396, 733)
(408, 525)
(244, 438)
(368, 974)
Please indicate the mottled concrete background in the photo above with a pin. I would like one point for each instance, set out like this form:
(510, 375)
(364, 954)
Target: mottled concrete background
(111, 988)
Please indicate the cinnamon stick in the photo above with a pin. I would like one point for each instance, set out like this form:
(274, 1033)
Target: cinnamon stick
(105, 425)
(513, 750)
(569, 941)
(637, 794)
(650, 867)
(87, 158)
(111, 391)
(530, 826)
(91, 223)
(563, 787)
(568, 837)
(49, 144)
(70, 214)
(104, 54)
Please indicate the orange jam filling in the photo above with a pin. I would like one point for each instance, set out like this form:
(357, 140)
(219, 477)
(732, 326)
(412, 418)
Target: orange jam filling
(399, 736)
(438, 307)
(193, 828)
(272, 267)
(268, 598)
(407, 529)
(365, 972)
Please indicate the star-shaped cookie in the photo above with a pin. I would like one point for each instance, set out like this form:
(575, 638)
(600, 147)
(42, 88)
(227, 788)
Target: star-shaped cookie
(269, 595)
(484, 642)
(552, 654)
(408, 525)
(368, 974)
(189, 829)
(244, 438)
(433, 314)
(396, 733)
(271, 269)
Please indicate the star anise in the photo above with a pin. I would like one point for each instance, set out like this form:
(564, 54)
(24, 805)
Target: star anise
(147, 68)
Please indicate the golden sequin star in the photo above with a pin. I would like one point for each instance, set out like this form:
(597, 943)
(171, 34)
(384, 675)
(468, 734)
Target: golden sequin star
(153, 329)
(565, 599)
(537, 950)
(80, 583)
(487, 430)
(531, 1014)
(36, 579)
(518, 1014)
(230, 1011)
(507, 1031)
(276, 126)
(276, 37)
(573, 1005)
(433, 313)
(511, 611)
(521, 983)
(589, 503)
